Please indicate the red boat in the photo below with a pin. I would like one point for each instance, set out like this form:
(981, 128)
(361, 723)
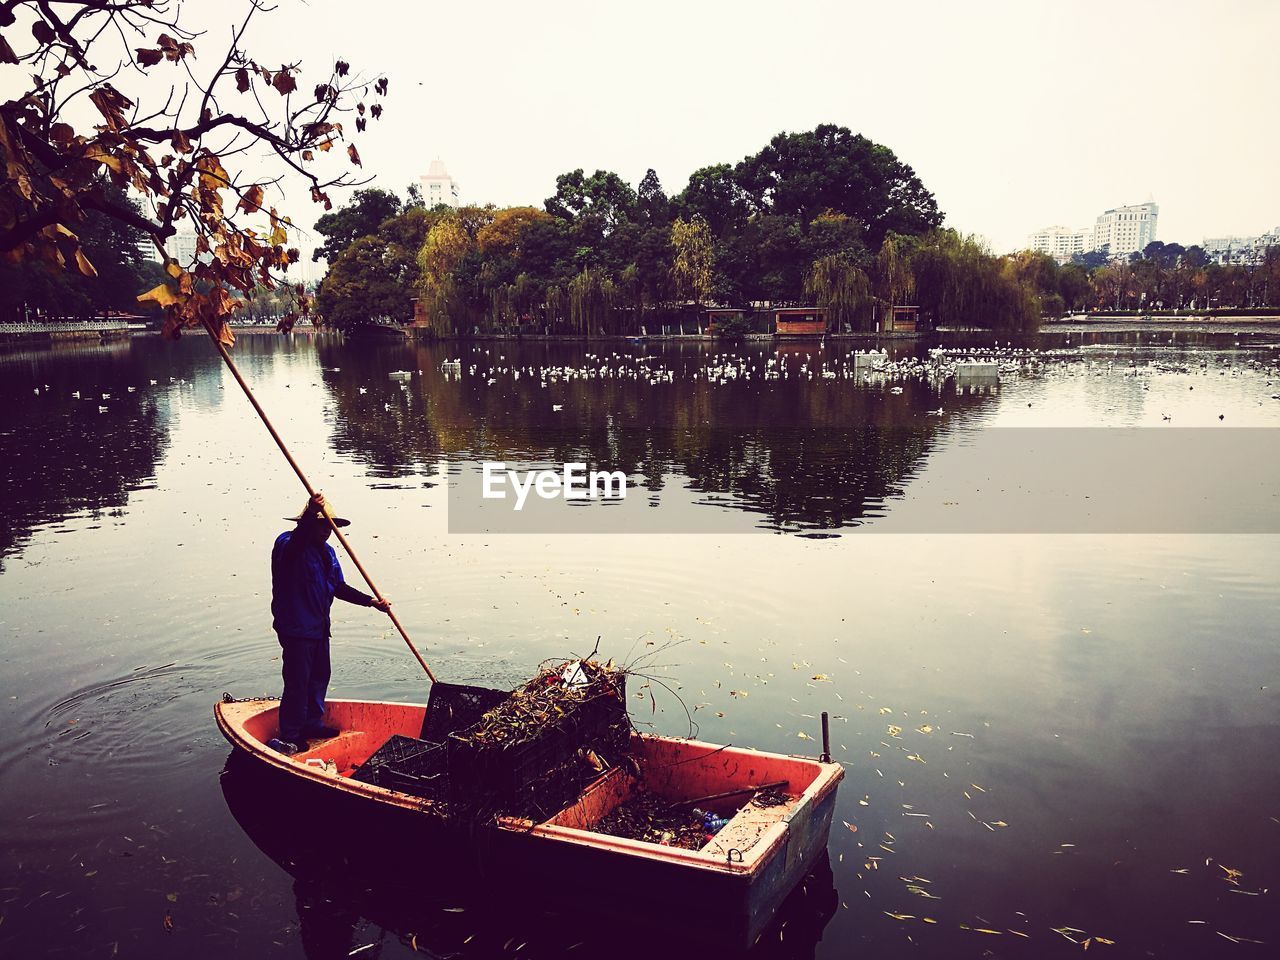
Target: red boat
(736, 881)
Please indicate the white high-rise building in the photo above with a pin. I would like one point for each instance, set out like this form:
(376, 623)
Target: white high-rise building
(438, 187)
(1247, 250)
(1124, 230)
(182, 247)
(1061, 243)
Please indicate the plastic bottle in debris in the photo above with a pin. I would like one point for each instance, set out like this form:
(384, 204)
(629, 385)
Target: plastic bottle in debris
(711, 823)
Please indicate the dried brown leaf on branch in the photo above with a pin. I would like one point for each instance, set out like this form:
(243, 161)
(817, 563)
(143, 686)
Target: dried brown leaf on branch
(251, 200)
(76, 127)
(284, 82)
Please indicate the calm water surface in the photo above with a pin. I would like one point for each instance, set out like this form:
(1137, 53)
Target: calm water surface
(1052, 737)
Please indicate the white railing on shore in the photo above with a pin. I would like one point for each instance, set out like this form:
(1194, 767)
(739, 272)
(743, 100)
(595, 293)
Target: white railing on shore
(69, 326)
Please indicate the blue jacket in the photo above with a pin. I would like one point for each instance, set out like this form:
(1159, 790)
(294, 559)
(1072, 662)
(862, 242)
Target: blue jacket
(305, 577)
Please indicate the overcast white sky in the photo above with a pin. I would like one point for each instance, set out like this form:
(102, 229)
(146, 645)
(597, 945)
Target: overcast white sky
(1016, 115)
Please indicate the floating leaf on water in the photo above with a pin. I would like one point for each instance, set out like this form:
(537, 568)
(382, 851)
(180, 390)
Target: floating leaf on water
(168, 921)
(804, 736)
(171, 897)
(852, 827)
(899, 916)
(894, 729)
(925, 728)
(884, 710)
(822, 677)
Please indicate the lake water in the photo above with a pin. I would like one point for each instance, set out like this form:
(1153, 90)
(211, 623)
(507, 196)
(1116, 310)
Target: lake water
(1048, 737)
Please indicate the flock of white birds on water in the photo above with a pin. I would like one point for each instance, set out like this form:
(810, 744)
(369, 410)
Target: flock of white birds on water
(867, 366)
(971, 369)
(975, 369)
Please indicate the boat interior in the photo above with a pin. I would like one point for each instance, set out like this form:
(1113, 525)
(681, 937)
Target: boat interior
(677, 771)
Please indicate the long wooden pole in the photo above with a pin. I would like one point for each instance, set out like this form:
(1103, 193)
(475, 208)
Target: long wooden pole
(262, 414)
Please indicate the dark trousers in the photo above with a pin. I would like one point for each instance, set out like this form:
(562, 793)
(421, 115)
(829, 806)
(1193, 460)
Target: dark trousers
(306, 681)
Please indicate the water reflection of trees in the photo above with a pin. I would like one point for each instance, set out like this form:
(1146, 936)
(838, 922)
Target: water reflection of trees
(61, 454)
(817, 454)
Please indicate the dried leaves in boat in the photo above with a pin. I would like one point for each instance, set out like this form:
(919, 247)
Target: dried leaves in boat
(649, 818)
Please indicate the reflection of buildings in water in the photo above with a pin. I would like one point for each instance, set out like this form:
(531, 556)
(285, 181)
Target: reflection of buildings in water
(803, 453)
(374, 881)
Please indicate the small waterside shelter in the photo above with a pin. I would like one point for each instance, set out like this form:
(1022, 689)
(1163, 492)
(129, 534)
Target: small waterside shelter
(903, 319)
(799, 322)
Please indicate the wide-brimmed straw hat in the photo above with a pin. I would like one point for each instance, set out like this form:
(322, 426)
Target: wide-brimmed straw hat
(310, 512)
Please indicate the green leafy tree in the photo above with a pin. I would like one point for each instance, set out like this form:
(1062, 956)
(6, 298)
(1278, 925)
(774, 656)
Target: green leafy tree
(377, 275)
(714, 194)
(361, 217)
(114, 246)
(831, 168)
(604, 198)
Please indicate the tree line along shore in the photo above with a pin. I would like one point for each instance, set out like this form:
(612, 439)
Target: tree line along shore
(824, 218)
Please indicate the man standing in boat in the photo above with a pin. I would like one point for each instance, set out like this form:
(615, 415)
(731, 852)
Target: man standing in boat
(305, 577)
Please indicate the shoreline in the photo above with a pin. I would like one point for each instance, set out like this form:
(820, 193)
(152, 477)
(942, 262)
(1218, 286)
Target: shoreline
(1163, 324)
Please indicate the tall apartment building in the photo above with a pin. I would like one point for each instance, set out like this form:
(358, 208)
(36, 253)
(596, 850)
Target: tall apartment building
(1061, 243)
(438, 187)
(1125, 230)
(1245, 250)
(182, 247)
(1119, 232)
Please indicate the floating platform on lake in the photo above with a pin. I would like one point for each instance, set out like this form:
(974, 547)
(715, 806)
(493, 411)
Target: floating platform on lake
(94, 331)
(728, 890)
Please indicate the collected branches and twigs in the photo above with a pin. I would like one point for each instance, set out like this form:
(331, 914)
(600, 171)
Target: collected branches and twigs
(175, 153)
(644, 667)
(556, 694)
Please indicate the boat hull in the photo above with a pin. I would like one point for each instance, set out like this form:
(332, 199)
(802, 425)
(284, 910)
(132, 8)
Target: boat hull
(728, 891)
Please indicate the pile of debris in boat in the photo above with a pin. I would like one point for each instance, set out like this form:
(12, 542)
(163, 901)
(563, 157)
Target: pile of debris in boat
(689, 824)
(526, 753)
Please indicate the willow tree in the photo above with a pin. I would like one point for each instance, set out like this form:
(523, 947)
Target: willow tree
(691, 270)
(894, 282)
(592, 295)
(228, 135)
(840, 287)
(446, 245)
(554, 305)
